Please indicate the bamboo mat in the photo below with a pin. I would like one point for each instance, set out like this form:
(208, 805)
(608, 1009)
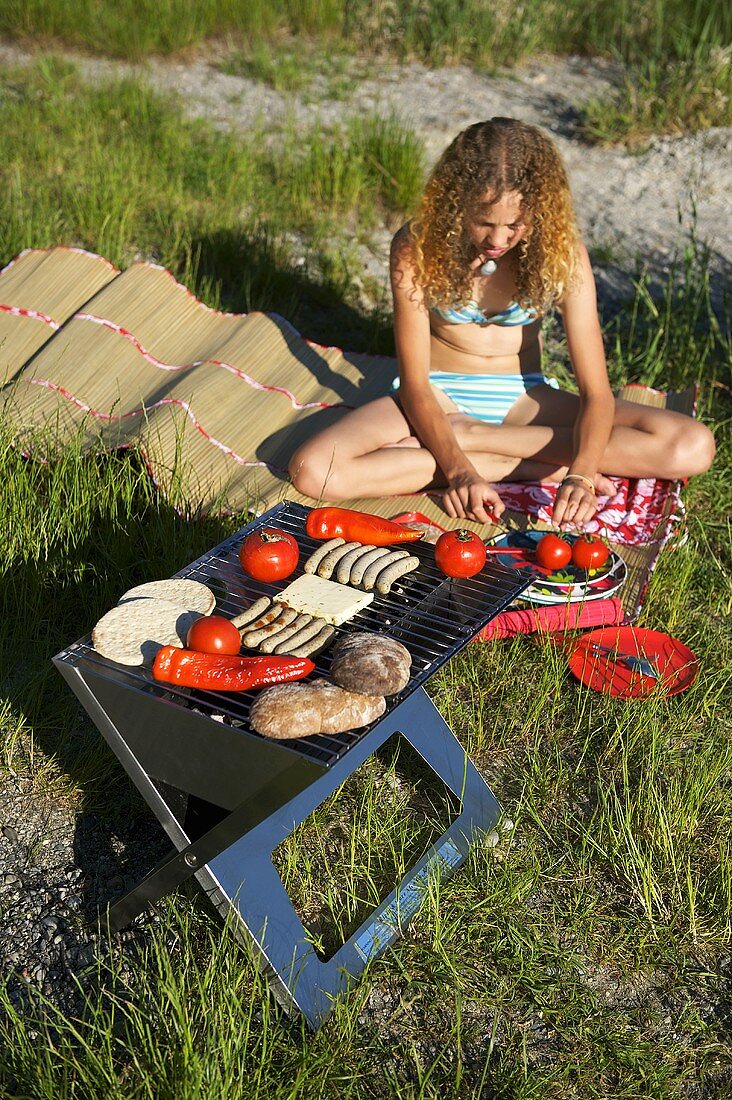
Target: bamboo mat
(39, 290)
(217, 401)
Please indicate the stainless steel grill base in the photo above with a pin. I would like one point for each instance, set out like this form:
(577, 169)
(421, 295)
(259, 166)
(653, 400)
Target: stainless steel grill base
(264, 790)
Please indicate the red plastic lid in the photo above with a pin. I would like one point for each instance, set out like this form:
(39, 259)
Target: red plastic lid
(677, 665)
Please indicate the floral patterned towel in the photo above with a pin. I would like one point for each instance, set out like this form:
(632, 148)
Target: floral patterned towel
(636, 515)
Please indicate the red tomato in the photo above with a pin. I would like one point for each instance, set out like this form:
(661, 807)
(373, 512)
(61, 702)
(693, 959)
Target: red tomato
(460, 553)
(269, 554)
(553, 552)
(589, 552)
(214, 634)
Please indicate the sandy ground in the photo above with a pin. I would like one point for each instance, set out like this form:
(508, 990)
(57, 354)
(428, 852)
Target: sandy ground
(633, 207)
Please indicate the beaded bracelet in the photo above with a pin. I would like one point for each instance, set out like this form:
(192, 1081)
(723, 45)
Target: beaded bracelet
(581, 477)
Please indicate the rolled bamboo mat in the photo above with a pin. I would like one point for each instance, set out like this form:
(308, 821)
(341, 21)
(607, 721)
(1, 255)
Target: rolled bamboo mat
(217, 400)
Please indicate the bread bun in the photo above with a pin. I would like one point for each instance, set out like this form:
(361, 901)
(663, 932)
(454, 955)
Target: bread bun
(371, 664)
(303, 710)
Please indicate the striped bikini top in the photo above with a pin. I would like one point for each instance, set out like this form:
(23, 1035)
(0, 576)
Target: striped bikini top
(471, 313)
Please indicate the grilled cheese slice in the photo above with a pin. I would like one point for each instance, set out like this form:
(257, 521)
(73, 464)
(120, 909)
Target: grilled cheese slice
(312, 595)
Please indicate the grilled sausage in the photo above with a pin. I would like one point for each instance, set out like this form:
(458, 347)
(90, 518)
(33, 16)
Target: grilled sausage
(270, 623)
(360, 567)
(315, 644)
(274, 643)
(303, 634)
(376, 567)
(252, 613)
(311, 565)
(343, 572)
(331, 559)
(393, 572)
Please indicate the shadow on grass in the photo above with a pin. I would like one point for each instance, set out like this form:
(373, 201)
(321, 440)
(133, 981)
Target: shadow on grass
(250, 272)
(48, 604)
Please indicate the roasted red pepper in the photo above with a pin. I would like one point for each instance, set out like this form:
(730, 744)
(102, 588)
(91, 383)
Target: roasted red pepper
(218, 672)
(344, 523)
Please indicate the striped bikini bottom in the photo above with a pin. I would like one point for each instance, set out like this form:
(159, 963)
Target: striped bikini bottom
(486, 397)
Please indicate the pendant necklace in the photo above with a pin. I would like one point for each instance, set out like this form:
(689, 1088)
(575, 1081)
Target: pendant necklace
(488, 267)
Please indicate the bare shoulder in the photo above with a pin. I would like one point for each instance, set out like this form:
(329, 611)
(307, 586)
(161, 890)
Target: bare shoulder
(403, 276)
(402, 248)
(583, 288)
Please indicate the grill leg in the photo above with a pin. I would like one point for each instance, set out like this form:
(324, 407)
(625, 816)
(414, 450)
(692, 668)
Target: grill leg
(176, 868)
(247, 882)
(233, 863)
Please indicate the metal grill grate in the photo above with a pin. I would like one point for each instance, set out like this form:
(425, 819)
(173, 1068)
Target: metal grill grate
(431, 615)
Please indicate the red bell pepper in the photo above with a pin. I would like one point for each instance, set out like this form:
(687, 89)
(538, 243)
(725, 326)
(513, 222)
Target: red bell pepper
(220, 672)
(344, 523)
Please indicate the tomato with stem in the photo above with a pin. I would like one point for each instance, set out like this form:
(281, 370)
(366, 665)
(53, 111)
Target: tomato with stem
(269, 554)
(552, 552)
(590, 552)
(460, 553)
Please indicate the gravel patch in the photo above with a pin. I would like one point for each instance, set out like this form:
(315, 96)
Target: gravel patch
(634, 207)
(58, 871)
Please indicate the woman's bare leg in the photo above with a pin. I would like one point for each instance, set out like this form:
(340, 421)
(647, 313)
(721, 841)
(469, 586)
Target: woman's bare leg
(370, 452)
(358, 456)
(645, 442)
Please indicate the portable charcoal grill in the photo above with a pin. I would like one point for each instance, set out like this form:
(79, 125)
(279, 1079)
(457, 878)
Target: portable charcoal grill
(227, 797)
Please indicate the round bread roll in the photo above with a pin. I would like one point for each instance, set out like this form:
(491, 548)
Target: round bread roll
(133, 632)
(371, 664)
(303, 710)
(192, 595)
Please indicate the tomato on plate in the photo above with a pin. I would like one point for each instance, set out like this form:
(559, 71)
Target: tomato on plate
(214, 634)
(589, 552)
(460, 553)
(553, 552)
(269, 554)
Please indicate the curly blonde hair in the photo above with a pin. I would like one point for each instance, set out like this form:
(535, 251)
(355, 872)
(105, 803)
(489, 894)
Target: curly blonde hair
(496, 157)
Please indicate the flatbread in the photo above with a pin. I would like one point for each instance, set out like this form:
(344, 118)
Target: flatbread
(133, 632)
(192, 595)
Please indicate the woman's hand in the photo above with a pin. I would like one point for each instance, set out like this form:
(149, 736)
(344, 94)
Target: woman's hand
(467, 498)
(574, 506)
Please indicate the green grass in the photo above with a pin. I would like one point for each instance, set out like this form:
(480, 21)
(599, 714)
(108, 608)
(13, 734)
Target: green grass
(305, 66)
(674, 338)
(134, 28)
(119, 170)
(665, 96)
(675, 52)
(438, 31)
(587, 954)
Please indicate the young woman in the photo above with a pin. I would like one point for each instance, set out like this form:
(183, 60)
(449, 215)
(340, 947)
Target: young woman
(493, 247)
